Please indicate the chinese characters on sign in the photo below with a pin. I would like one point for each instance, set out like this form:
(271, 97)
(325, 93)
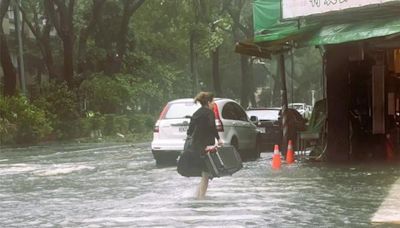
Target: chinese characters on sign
(300, 8)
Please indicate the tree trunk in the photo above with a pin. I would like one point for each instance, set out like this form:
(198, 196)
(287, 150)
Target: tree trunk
(62, 20)
(47, 54)
(68, 60)
(215, 72)
(122, 40)
(43, 40)
(10, 75)
(97, 10)
(122, 34)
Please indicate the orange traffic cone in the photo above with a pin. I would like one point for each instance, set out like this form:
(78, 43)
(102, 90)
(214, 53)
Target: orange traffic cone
(276, 159)
(290, 153)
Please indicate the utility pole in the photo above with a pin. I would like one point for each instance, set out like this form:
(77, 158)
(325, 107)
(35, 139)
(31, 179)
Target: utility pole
(21, 69)
(292, 72)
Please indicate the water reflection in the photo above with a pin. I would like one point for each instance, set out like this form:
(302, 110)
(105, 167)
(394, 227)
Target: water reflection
(121, 186)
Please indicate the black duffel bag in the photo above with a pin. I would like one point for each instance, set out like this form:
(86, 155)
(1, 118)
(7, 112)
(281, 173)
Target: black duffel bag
(188, 162)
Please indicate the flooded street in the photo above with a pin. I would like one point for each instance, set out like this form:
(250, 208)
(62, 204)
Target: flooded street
(120, 186)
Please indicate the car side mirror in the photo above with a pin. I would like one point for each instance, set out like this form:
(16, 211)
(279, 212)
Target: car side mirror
(254, 119)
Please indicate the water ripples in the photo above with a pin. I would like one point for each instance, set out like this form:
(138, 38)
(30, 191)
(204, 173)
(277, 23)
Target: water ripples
(120, 186)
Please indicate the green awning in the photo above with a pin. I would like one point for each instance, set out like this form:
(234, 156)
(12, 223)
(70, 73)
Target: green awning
(340, 33)
(350, 25)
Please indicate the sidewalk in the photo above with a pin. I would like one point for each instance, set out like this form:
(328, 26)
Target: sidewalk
(389, 211)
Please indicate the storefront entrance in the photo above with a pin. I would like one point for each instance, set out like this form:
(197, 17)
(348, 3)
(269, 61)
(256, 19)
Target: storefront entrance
(363, 83)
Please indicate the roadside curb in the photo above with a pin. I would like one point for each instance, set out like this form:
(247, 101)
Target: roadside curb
(388, 212)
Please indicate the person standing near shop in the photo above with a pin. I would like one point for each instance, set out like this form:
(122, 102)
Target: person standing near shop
(203, 130)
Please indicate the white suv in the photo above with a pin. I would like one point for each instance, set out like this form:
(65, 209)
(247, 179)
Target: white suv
(231, 120)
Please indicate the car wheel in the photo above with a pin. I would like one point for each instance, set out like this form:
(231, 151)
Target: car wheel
(256, 151)
(235, 143)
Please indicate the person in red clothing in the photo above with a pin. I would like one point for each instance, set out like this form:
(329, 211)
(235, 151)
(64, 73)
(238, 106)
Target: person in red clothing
(204, 132)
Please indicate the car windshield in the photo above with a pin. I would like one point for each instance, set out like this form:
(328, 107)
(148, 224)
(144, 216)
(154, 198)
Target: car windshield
(264, 114)
(181, 110)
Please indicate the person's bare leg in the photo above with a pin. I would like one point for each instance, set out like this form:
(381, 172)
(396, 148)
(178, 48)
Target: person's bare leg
(201, 193)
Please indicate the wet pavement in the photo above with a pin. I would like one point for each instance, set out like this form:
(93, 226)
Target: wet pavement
(120, 186)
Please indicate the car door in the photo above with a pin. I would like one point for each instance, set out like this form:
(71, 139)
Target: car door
(246, 130)
(229, 121)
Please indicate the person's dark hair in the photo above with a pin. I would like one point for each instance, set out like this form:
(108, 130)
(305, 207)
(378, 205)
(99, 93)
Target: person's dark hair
(204, 98)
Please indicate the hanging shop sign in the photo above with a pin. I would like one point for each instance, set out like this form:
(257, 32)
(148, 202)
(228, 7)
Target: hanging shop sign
(301, 8)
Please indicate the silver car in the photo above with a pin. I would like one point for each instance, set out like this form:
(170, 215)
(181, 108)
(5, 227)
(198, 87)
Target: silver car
(231, 120)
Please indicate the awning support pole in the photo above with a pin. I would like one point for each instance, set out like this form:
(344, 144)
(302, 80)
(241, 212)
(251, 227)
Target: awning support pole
(285, 127)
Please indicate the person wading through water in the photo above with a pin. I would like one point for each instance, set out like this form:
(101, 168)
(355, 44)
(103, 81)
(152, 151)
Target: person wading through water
(204, 132)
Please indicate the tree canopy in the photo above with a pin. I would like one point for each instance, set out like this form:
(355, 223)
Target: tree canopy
(132, 56)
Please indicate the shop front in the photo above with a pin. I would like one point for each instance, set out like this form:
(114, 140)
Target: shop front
(360, 42)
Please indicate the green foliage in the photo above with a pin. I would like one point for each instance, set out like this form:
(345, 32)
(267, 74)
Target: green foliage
(106, 94)
(141, 123)
(61, 107)
(125, 93)
(214, 35)
(94, 55)
(82, 13)
(113, 124)
(21, 122)
(116, 124)
(7, 130)
(307, 74)
(68, 129)
(162, 30)
(156, 66)
(92, 122)
(134, 123)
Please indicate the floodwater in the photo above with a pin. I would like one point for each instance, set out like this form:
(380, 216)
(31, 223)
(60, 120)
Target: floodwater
(120, 186)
